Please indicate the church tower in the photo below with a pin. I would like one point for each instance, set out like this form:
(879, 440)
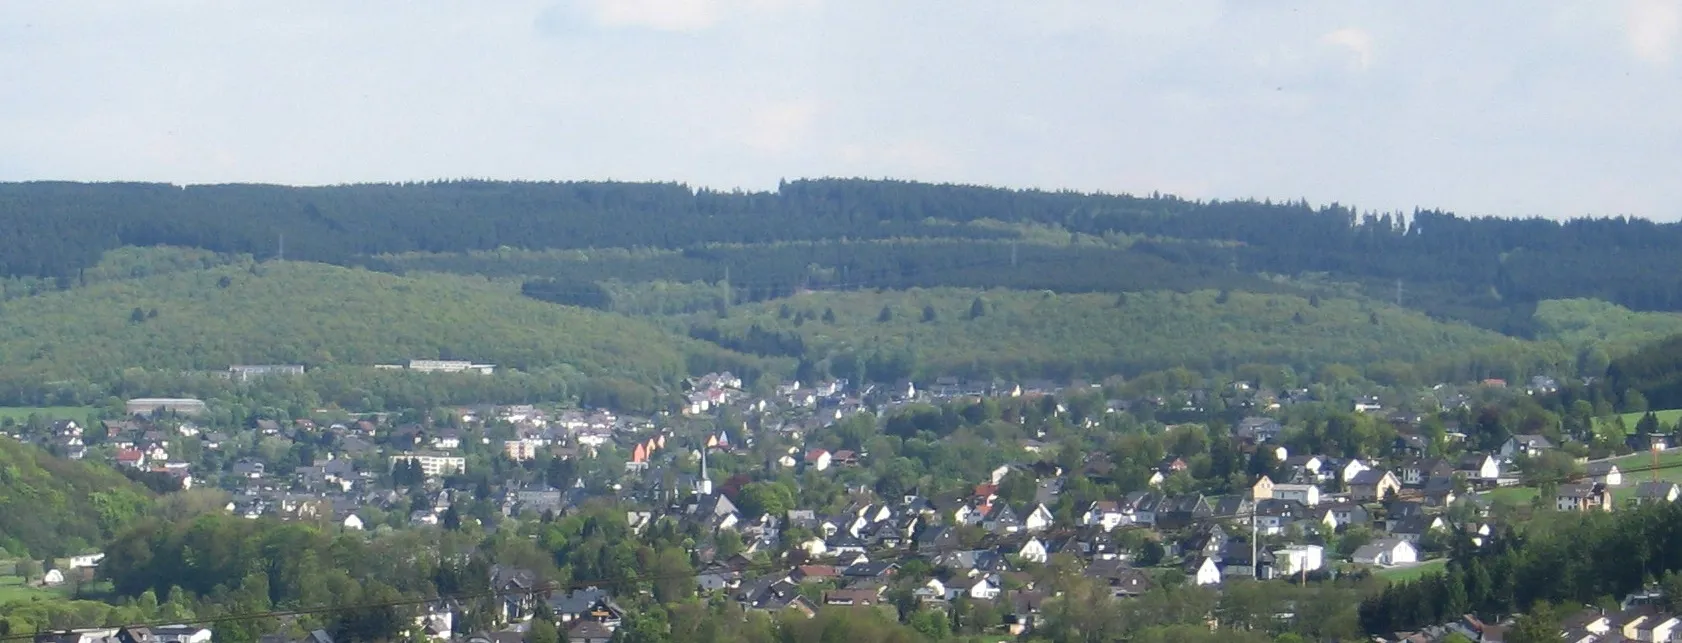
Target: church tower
(704, 486)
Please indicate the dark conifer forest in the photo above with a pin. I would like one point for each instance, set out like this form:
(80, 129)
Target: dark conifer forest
(862, 233)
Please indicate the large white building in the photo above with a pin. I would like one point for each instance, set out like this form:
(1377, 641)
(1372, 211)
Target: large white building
(247, 372)
(433, 464)
(449, 366)
(154, 405)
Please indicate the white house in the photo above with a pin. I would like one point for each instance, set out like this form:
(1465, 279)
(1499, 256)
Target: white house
(1297, 559)
(977, 588)
(818, 459)
(1033, 551)
(1387, 552)
(1351, 469)
(1104, 513)
(1605, 473)
(1481, 466)
(1207, 573)
(352, 522)
(1038, 520)
(1306, 494)
(934, 590)
(815, 547)
(53, 577)
(86, 560)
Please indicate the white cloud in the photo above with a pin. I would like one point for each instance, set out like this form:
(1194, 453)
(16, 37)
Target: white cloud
(1356, 40)
(1652, 27)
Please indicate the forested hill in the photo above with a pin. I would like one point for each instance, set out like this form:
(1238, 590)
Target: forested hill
(55, 507)
(1485, 269)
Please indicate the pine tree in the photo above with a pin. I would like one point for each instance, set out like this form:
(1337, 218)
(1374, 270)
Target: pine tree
(885, 316)
(929, 314)
(977, 308)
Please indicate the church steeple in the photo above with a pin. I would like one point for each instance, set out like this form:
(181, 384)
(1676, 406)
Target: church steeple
(704, 486)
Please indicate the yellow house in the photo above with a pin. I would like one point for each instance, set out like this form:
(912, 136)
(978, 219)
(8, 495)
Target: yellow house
(1263, 489)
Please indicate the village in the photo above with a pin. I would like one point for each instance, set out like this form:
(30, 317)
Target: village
(1308, 517)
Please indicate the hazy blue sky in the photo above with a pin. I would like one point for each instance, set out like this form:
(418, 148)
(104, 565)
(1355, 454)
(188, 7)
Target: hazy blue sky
(1484, 107)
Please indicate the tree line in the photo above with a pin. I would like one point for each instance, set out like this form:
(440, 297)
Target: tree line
(1486, 269)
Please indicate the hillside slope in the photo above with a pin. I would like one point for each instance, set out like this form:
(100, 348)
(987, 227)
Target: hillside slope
(1029, 334)
(55, 507)
(1607, 326)
(317, 314)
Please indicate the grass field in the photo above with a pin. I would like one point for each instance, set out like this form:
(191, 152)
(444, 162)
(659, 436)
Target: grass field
(21, 413)
(1399, 574)
(1512, 495)
(13, 589)
(1667, 418)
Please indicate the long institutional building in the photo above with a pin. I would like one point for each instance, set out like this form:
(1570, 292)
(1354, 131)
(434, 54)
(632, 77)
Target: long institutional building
(432, 463)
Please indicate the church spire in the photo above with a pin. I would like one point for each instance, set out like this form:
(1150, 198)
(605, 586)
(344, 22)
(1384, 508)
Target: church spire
(704, 486)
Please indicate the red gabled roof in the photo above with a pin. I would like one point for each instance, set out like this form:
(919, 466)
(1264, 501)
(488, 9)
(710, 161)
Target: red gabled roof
(129, 455)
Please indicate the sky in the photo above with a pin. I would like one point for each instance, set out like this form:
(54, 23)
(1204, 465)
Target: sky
(1493, 107)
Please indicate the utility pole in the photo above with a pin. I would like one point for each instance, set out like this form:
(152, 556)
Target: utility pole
(1398, 293)
(1255, 558)
(280, 253)
(1013, 254)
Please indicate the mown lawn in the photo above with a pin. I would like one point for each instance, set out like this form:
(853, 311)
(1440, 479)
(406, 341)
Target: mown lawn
(1512, 495)
(20, 413)
(1667, 418)
(1399, 574)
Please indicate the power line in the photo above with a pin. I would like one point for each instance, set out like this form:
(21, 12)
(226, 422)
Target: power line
(890, 555)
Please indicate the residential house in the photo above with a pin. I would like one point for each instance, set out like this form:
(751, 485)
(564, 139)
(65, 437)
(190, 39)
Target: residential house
(517, 590)
(1203, 571)
(588, 632)
(1123, 580)
(1387, 552)
(1351, 468)
(1262, 489)
(1307, 469)
(980, 587)
(1374, 484)
(1656, 491)
(1298, 559)
(1032, 550)
(1105, 514)
(1306, 494)
(1022, 611)
(1440, 491)
(819, 459)
(1648, 442)
(1141, 507)
(1180, 511)
(1001, 520)
(1604, 472)
(1416, 472)
(932, 590)
(1414, 528)
(861, 597)
(1258, 429)
(1038, 520)
(1524, 445)
(587, 604)
(1480, 466)
(1583, 497)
